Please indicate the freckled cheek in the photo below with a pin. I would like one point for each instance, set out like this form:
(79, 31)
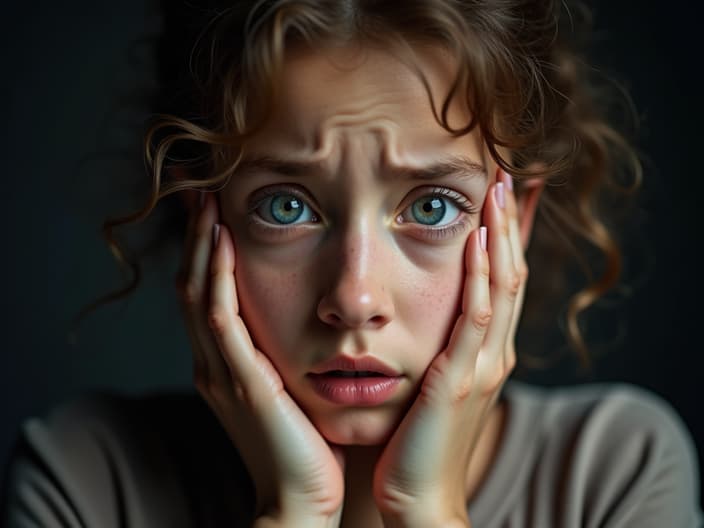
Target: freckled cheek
(433, 306)
(275, 305)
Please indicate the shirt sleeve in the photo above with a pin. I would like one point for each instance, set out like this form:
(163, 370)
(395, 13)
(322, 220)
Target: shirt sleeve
(53, 480)
(90, 463)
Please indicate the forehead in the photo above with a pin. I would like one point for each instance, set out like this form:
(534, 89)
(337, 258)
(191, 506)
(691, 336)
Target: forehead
(356, 91)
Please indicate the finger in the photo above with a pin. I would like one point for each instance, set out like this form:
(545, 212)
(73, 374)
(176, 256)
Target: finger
(209, 368)
(471, 326)
(194, 215)
(254, 380)
(183, 287)
(250, 374)
(518, 254)
(504, 279)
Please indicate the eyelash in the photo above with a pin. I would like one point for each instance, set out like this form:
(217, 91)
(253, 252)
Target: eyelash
(459, 200)
(433, 233)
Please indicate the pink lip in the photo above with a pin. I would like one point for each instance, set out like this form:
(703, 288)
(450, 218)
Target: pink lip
(348, 363)
(363, 390)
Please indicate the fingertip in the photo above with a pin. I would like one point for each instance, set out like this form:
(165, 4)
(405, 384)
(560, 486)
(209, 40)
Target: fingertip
(216, 235)
(219, 245)
(223, 244)
(507, 179)
(477, 254)
(511, 207)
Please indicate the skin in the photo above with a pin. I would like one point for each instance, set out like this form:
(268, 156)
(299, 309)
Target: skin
(415, 296)
(395, 293)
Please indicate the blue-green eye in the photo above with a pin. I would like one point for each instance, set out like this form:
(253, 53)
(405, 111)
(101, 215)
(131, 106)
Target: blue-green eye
(431, 210)
(285, 209)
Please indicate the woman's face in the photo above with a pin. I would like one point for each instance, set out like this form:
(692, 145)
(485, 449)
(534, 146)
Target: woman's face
(350, 216)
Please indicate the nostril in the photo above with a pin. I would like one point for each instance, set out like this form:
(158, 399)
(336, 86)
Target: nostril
(378, 320)
(333, 318)
(346, 310)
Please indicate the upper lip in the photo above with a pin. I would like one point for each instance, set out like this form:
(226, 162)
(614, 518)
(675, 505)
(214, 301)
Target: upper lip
(350, 364)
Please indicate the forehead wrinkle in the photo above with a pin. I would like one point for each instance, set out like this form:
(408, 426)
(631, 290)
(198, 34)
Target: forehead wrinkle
(366, 120)
(455, 165)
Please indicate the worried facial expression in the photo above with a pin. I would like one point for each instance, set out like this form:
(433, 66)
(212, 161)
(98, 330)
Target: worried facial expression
(350, 215)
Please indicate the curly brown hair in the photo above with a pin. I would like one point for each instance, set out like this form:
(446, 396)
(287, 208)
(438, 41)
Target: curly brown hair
(520, 71)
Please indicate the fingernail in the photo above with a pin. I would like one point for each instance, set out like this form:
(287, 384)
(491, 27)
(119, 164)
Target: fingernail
(508, 179)
(201, 199)
(482, 237)
(216, 234)
(500, 195)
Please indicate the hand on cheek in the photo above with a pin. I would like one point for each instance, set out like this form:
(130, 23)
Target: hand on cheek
(420, 479)
(298, 476)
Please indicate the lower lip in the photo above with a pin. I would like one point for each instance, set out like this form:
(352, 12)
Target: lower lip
(355, 391)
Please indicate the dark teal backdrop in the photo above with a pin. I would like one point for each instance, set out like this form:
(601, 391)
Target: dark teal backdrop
(70, 133)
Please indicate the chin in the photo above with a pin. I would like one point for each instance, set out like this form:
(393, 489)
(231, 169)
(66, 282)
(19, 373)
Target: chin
(362, 427)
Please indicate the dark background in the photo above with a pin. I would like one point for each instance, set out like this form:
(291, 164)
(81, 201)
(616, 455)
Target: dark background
(70, 138)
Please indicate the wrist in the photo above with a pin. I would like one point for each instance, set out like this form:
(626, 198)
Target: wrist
(292, 512)
(298, 521)
(408, 520)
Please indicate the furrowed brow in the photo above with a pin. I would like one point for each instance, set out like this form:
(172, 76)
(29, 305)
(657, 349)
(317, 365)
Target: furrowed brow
(285, 167)
(455, 166)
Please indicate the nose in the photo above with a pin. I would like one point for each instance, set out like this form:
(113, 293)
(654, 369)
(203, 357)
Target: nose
(358, 294)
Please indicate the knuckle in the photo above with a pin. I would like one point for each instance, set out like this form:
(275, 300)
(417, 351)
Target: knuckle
(510, 283)
(513, 283)
(191, 293)
(522, 271)
(239, 391)
(218, 320)
(494, 380)
(510, 363)
(461, 393)
(481, 318)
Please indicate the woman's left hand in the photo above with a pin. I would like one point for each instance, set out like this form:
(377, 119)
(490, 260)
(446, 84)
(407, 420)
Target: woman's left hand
(420, 478)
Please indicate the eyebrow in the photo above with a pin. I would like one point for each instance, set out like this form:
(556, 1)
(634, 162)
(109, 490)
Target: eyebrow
(455, 165)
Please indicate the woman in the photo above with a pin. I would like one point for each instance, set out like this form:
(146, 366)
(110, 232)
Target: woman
(353, 278)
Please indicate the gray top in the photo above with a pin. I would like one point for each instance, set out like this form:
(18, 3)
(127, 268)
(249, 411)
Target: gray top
(609, 455)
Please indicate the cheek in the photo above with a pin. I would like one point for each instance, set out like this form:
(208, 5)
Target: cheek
(274, 303)
(432, 306)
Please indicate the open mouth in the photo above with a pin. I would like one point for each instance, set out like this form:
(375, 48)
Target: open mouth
(354, 374)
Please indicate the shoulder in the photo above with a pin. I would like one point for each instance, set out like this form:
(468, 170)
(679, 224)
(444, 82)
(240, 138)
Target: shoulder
(618, 454)
(618, 410)
(623, 416)
(105, 459)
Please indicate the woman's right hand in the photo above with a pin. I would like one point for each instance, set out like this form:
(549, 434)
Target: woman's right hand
(298, 476)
